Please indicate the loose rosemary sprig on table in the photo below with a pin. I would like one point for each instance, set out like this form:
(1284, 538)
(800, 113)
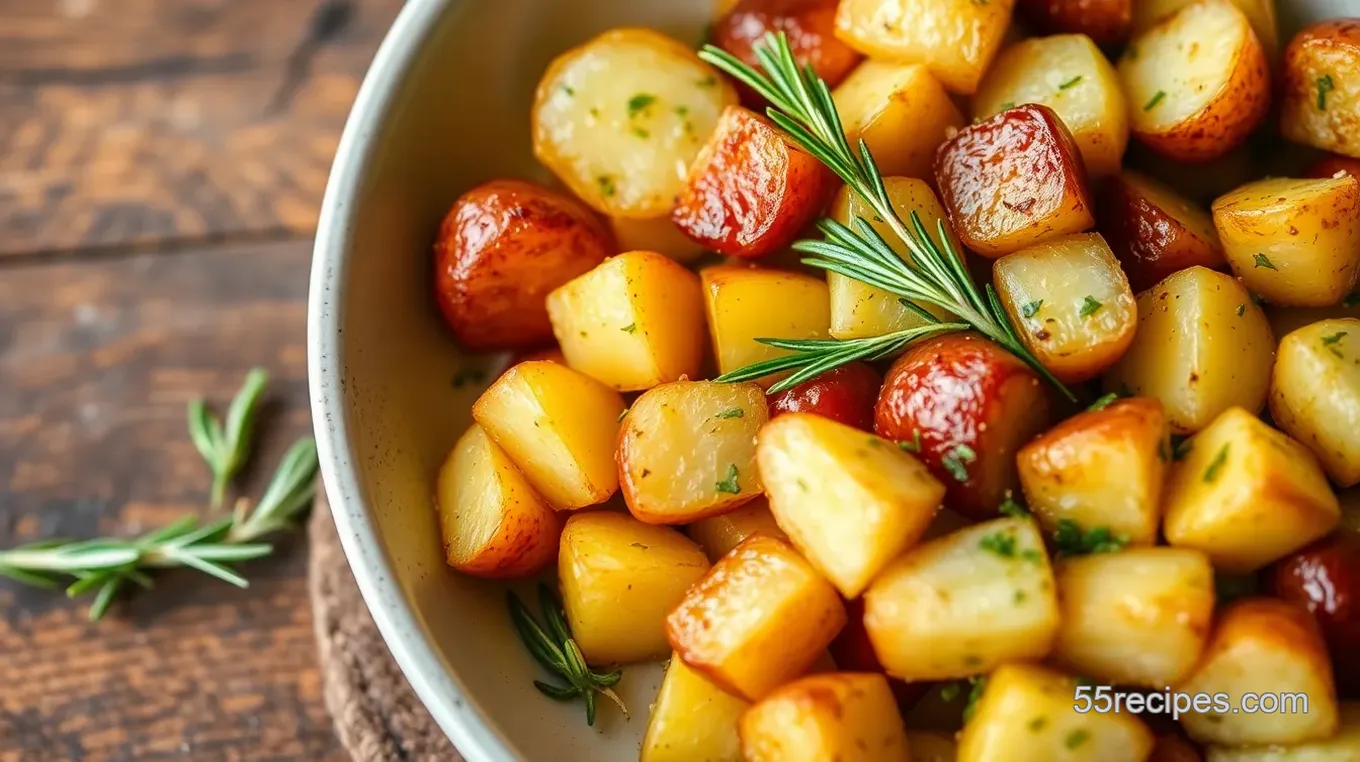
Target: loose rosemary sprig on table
(557, 651)
(802, 106)
(227, 446)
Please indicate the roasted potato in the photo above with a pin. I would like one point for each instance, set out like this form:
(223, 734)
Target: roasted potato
(760, 618)
(1294, 242)
(1325, 578)
(849, 501)
(1197, 81)
(687, 450)
(1107, 22)
(1153, 231)
(718, 535)
(558, 426)
(1263, 646)
(1331, 164)
(744, 304)
(1247, 495)
(965, 603)
(1261, 14)
(657, 234)
(964, 406)
(1322, 87)
(502, 247)
(494, 524)
(1013, 181)
(1202, 347)
(633, 322)
(610, 562)
(692, 720)
(1341, 747)
(846, 716)
(620, 118)
(927, 746)
(1070, 75)
(859, 310)
(853, 651)
(901, 111)
(1102, 468)
(1315, 394)
(1070, 302)
(956, 41)
(751, 190)
(809, 24)
(846, 394)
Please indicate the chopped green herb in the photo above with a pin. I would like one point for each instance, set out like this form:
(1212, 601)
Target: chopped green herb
(1158, 98)
(682, 111)
(568, 90)
(1031, 309)
(950, 691)
(1012, 507)
(1076, 738)
(954, 461)
(708, 81)
(802, 485)
(640, 103)
(1216, 466)
(630, 328)
(1032, 555)
(914, 445)
(1070, 540)
(1019, 597)
(1103, 402)
(735, 412)
(1180, 446)
(1334, 338)
(595, 112)
(1264, 261)
(1000, 543)
(644, 134)
(1090, 306)
(1241, 309)
(729, 485)
(1324, 86)
(1008, 105)
(1037, 724)
(1073, 82)
(979, 684)
(606, 184)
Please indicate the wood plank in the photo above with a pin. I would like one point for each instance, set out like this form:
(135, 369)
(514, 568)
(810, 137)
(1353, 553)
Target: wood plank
(141, 122)
(98, 359)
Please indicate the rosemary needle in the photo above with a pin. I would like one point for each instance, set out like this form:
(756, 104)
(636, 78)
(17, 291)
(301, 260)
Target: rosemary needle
(557, 651)
(226, 445)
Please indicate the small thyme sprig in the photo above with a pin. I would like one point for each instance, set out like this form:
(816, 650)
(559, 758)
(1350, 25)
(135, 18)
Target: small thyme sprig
(557, 651)
(226, 445)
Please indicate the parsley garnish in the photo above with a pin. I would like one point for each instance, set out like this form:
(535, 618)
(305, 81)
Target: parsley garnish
(729, 485)
(1264, 261)
(914, 445)
(1158, 98)
(1073, 82)
(1324, 86)
(735, 412)
(1076, 738)
(950, 691)
(606, 184)
(708, 81)
(567, 89)
(1070, 540)
(630, 328)
(1008, 105)
(1330, 343)
(639, 103)
(979, 684)
(1216, 466)
(1037, 724)
(1012, 507)
(1031, 309)
(1000, 543)
(1090, 306)
(1103, 402)
(954, 461)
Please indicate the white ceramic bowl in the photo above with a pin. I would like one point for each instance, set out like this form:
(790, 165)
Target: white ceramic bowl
(445, 106)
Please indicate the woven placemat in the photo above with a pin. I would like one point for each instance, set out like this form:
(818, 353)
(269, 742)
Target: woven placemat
(376, 714)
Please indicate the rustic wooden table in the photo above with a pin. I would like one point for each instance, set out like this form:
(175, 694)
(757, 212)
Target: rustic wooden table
(161, 166)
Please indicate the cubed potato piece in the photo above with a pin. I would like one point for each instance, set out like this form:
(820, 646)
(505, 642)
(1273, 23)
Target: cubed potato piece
(1070, 75)
(1197, 81)
(1013, 181)
(809, 24)
(1153, 231)
(1294, 242)
(1261, 14)
(1101, 468)
(718, 535)
(744, 304)
(956, 41)
(847, 716)
(1344, 746)
(964, 603)
(1071, 304)
(901, 111)
(1247, 495)
(692, 720)
(859, 310)
(1202, 347)
(1322, 87)
(610, 562)
(633, 322)
(1107, 22)
(849, 501)
(494, 524)
(620, 118)
(1027, 714)
(559, 426)
(751, 190)
(1261, 646)
(1137, 617)
(1315, 394)
(760, 618)
(928, 746)
(688, 450)
(657, 234)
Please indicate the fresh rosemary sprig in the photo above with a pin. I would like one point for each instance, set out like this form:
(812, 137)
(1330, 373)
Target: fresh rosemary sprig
(802, 106)
(557, 651)
(226, 446)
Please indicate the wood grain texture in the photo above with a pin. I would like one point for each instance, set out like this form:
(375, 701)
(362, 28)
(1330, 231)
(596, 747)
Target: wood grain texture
(142, 122)
(98, 358)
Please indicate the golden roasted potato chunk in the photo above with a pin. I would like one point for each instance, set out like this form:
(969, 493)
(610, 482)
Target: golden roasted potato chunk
(1294, 242)
(1070, 75)
(1153, 231)
(1202, 347)
(956, 41)
(848, 716)
(1070, 302)
(1341, 747)
(849, 501)
(1027, 714)
(688, 450)
(1101, 468)
(1263, 646)
(718, 535)
(900, 111)
(657, 234)
(620, 118)
(558, 425)
(1107, 22)
(1315, 394)
(633, 322)
(744, 304)
(1013, 181)
(1197, 81)
(1261, 14)
(692, 719)
(760, 618)
(610, 562)
(1322, 87)
(1247, 494)
(964, 603)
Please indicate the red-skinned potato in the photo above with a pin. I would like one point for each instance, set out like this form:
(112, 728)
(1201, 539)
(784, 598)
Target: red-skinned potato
(1107, 22)
(502, 247)
(750, 191)
(1154, 231)
(809, 24)
(1325, 577)
(1013, 180)
(965, 406)
(846, 394)
(1171, 747)
(1331, 164)
(1321, 77)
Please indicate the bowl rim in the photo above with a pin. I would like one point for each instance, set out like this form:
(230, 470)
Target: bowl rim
(438, 687)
